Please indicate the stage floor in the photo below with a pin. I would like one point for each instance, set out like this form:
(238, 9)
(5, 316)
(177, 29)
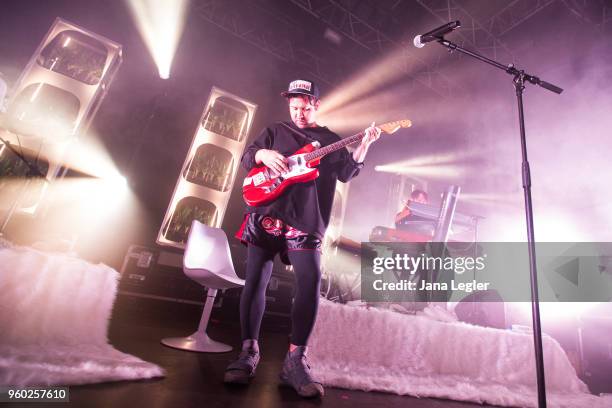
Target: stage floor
(195, 379)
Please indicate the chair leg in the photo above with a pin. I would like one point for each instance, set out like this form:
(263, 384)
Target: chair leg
(199, 341)
(211, 294)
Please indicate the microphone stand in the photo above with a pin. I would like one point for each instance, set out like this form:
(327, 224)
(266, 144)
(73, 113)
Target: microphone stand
(33, 171)
(520, 77)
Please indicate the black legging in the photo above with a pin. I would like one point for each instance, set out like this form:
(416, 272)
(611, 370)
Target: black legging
(306, 266)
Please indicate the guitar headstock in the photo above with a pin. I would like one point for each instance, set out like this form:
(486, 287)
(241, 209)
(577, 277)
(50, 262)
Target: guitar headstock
(392, 127)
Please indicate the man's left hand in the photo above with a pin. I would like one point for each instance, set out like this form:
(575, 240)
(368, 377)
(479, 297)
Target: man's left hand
(371, 135)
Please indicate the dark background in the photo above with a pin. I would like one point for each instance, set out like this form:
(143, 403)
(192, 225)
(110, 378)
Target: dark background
(565, 43)
(459, 106)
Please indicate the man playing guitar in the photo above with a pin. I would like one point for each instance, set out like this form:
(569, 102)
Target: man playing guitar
(292, 225)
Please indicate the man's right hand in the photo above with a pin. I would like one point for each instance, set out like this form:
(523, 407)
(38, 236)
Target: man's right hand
(272, 159)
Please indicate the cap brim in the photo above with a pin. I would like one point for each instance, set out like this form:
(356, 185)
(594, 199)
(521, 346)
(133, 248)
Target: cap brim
(287, 94)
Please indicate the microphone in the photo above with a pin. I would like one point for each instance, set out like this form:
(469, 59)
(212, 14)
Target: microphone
(435, 34)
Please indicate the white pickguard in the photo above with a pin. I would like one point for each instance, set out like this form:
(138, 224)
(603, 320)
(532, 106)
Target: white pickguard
(297, 167)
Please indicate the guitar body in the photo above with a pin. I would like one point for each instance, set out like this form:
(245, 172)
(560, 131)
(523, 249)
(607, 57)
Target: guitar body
(263, 185)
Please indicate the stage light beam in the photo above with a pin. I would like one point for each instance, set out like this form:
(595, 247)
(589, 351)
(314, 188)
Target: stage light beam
(89, 156)
(443, 165)
(161, 24)
(432, 171)
(116, 183)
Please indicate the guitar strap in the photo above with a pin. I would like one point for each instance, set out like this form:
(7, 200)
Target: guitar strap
(297, 132)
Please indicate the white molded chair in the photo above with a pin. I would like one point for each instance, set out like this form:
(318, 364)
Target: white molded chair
(207, 260)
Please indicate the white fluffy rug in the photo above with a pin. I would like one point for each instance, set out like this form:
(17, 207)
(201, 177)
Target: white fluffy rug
(374, 349)
(54, 314)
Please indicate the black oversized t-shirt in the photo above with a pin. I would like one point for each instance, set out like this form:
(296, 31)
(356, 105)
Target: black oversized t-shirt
(305, 206)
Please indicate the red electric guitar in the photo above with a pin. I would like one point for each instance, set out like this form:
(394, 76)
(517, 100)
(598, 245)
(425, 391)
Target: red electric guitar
(263, 185)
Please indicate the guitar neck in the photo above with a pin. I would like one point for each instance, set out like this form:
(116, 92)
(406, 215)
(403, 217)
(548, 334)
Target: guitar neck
(317, 154)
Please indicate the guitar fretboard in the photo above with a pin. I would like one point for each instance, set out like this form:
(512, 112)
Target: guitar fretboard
(333, 147)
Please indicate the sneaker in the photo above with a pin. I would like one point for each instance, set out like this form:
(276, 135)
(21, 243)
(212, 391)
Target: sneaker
(296, 373)
(243, 369)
